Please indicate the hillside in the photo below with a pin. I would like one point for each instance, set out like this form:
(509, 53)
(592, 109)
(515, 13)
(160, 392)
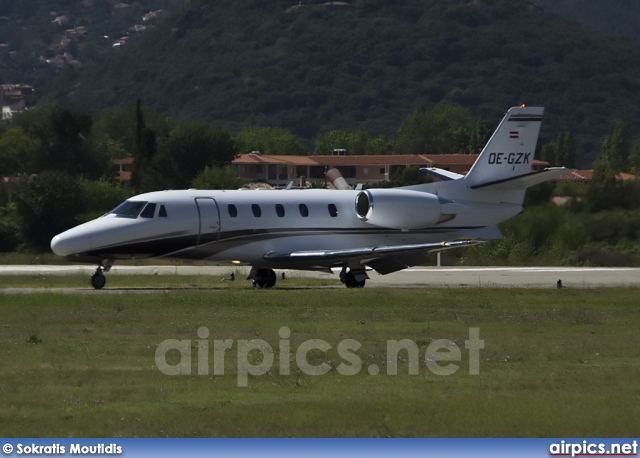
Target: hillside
(39, 38)
(613, 17)
(368, 64)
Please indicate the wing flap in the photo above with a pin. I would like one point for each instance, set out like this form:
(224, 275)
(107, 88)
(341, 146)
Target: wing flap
(367, 252)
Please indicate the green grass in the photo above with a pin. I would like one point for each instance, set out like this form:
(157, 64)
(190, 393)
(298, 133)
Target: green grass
(168, 281)
(555, 363)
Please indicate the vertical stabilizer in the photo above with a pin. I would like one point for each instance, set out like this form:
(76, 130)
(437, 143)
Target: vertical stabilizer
(510, 150)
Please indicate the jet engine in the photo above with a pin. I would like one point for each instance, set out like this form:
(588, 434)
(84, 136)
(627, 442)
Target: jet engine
(398, 208)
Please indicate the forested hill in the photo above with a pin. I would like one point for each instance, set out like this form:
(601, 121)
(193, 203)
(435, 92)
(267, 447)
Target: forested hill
(613, 17)
(367, 64)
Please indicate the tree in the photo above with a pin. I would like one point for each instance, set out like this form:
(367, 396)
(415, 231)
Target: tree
(560, 151)
(269, 141)
(446, 129)
(144, 151)
(614, 152)
(47, 205)
(217, 178)
(567, 151)
(634, 160)
(356, 143)
(479, 137)
(100, 196)
(183, 153)
(60, 141)
(15, 148)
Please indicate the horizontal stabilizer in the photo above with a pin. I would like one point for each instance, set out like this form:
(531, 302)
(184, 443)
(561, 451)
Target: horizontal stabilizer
(524, 181)
(444, 175)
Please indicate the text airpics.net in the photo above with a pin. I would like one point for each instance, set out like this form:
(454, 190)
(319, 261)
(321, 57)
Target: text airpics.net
(439, 356)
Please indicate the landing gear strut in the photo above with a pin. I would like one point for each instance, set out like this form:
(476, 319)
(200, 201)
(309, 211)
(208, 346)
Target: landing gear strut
(98, 279)
(353, 278)
(264, 278)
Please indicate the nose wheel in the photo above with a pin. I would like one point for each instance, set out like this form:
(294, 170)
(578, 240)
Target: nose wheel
(98, 279)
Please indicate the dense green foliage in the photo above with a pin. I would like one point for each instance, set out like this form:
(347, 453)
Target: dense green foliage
(59, 170)
(313, 69)
(35, 31)
(614, 17)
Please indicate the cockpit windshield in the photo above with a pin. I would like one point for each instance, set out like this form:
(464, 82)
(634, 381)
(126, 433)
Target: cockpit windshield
(129, 209)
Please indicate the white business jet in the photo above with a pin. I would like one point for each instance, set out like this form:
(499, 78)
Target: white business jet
(382, 229)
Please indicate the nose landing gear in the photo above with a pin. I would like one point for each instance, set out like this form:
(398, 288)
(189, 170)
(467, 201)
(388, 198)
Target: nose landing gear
(98, 279)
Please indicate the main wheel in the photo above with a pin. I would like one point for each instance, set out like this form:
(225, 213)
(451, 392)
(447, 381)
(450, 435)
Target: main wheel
(98, 280)
(351, 282)
(265, 278)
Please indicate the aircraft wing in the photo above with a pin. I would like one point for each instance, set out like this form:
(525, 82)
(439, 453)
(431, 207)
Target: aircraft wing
(368, 253)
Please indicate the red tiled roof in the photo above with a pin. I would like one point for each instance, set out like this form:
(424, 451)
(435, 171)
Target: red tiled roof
(431, 160)
(124, 161)
(587, 175)
(404, 159)
(267, 159)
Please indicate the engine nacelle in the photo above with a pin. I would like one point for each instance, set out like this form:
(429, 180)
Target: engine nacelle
(398, 208)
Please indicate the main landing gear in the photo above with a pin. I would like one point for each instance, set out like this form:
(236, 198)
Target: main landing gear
(98, 279)
(264, 278)
(353, 278)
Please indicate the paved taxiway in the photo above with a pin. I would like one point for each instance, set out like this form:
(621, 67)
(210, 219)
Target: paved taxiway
(533, 277)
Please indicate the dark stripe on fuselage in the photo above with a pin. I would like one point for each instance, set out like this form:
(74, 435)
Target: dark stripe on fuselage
(214, 244)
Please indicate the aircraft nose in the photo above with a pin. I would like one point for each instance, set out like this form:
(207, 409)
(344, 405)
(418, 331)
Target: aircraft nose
(65, 245)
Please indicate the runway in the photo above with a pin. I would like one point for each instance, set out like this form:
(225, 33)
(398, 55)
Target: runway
(447, 277)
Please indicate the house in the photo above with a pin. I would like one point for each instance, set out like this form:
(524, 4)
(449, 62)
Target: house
(13, 98)
(279, 170)
(586, 176)
(124, 168)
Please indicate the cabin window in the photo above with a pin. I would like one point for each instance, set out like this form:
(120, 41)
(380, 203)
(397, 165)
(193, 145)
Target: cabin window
(255, 208)
(280, 210)
(163, 212)
(128, 209)
(333, 211)
(148, 211)
(233, 211)
(304, 211)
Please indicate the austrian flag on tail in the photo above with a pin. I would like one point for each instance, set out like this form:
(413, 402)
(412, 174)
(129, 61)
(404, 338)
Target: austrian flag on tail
(514, 134)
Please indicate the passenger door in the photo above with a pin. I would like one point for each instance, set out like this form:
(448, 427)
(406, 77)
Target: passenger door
(209, 215)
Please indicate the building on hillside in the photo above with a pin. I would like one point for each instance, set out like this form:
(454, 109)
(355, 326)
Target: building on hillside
(279, 170)
(124, 167)
(13, 98)
(586, 176)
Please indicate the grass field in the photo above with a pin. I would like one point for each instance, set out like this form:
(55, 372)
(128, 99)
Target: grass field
(555, 363)
(148, 282)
